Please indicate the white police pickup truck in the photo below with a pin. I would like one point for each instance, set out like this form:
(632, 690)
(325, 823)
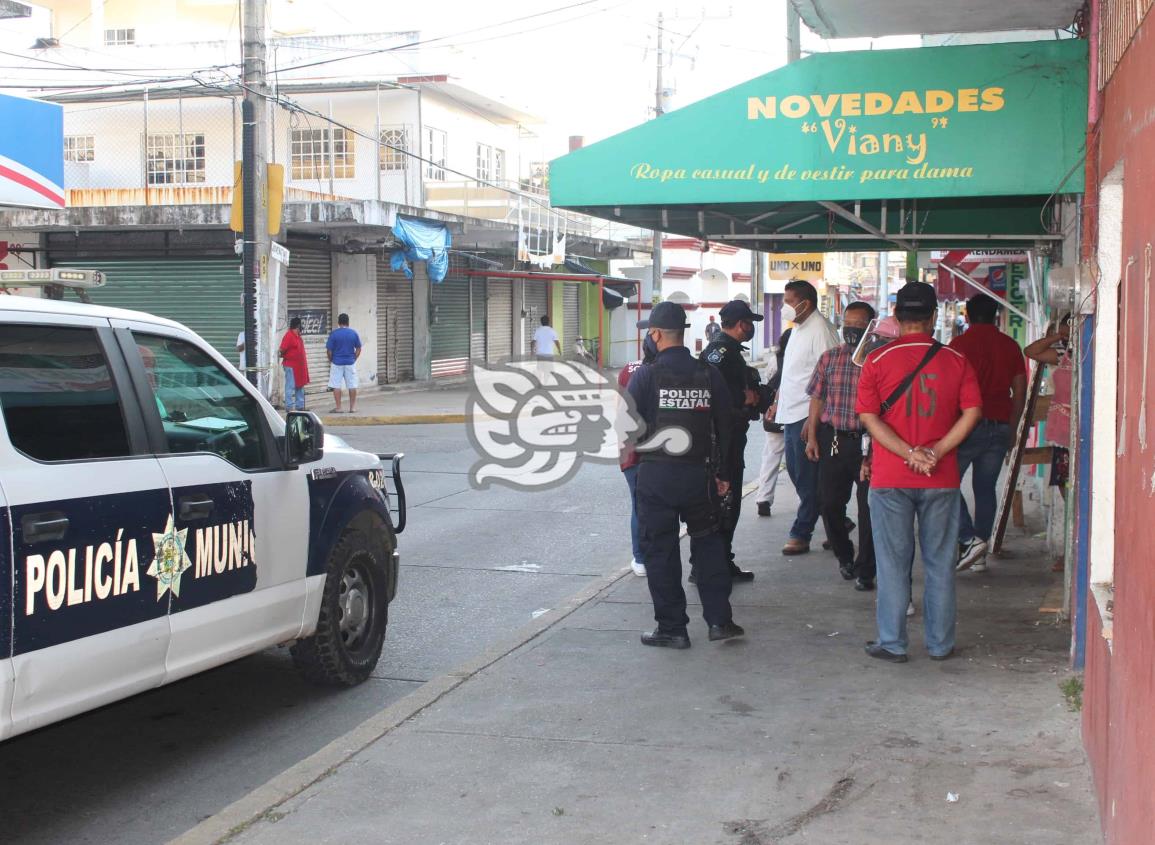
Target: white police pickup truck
(158, 518)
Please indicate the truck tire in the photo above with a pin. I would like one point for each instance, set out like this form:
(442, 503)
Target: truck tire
(354, 612)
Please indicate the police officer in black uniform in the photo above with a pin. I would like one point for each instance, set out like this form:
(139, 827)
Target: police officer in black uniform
(725, 353)
(678, 479)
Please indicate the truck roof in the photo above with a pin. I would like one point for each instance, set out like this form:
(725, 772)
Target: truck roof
(29, 304)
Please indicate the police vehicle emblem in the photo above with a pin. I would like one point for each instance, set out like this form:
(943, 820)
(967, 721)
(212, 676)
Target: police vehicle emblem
(171, 559)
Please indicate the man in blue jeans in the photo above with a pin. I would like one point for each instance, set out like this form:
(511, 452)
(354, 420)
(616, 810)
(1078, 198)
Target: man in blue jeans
(812, 335)
(1001, 369)
(919, 400)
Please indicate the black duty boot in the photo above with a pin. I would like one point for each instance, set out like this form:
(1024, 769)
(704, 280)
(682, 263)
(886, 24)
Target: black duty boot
(660, 639)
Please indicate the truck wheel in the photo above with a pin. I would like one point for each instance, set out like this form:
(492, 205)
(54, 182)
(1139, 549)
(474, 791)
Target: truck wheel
(354, 612)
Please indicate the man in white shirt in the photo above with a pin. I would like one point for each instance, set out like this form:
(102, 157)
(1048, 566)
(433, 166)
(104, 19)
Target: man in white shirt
(241, 351)
(812, 336)
(545, 341)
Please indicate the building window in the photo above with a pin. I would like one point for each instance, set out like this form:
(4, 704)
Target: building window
(119, 37)
(173, 158)
(321, 154)
(79, 148)
(484, 163)
(394, 146)
(499, 165)
(436, 143)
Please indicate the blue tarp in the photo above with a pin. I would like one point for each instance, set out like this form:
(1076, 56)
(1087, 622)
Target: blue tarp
(422, 241)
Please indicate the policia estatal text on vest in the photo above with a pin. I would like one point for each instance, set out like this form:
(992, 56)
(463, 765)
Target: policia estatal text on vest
(677, 396)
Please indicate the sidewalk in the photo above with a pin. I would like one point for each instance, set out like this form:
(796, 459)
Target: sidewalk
(422, 402)
(582, 735)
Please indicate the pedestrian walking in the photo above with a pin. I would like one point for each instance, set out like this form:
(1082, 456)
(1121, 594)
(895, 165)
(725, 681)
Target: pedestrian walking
(545, 341)
(918, 400)
(712, 330)
(629, 459)
(343, 348)
(774, 446)
(296, 365)
(812, 336)
(836, 442)
(241, 360)
(1001, 369)
(725, 353)
(675, 397)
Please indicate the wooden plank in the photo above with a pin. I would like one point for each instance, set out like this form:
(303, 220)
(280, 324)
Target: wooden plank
(1036, 455)
(1017, 454)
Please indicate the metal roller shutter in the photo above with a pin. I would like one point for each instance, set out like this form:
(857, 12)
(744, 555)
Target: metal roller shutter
(449, 323)
(394, 325)
(499, 320)
(571, 317)
(203, 294)
(536, 307)
(477, 318)
(310, 288)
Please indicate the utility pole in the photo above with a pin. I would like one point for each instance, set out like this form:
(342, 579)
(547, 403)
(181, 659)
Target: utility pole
(255, 207)
(656, 290)
(793, 34)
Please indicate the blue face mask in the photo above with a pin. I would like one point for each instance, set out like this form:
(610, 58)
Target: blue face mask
(649, 349)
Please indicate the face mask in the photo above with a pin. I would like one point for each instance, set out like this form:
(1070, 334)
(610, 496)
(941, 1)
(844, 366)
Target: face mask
(852, 335)
(789, 315)
(649, 349)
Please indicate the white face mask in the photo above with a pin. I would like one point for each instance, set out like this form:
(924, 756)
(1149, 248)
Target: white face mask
(789, 313)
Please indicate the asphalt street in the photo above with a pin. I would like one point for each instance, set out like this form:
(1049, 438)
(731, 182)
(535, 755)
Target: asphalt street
(476, 566)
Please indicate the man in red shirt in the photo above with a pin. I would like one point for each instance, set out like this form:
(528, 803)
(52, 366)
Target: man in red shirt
(919, 400)
(1001, 368)
(296, 365)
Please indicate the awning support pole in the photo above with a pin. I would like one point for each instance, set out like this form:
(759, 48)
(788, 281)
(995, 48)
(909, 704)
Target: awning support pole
(959, 274)
(601, 318)
(862, 224)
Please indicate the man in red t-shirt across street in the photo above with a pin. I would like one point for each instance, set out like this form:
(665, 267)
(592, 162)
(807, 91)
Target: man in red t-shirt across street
(919, 400)
(1001, 369)
(296, 365)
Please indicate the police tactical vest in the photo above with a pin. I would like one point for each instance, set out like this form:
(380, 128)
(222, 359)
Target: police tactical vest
(684, 401)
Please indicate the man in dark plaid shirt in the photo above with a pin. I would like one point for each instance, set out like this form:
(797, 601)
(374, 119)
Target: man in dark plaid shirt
(834, 438)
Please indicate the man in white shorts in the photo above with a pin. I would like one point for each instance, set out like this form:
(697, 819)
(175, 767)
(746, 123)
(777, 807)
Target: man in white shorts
(343, 348)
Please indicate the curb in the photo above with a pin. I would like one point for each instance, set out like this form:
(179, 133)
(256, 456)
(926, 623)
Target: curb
(234, 819)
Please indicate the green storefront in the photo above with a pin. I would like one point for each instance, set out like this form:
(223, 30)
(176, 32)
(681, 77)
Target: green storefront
(921, 149)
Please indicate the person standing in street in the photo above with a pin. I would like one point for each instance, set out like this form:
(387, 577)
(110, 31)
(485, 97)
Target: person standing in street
(812, 336)
(774, 447)
(241, 353)
(725, 353)
(629, 458)
(835, 441)
(918, 400)
(712, 330)
(675, 397)
(343, 348)
(296, 365)
(1001, 369)
(545, 341)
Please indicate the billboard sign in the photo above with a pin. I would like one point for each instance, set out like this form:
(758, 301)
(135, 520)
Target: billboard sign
(31, 153)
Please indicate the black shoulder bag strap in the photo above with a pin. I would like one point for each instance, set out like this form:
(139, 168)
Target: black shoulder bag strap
(893, 398)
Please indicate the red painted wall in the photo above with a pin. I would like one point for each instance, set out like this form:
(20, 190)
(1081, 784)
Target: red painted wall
(1119, 701)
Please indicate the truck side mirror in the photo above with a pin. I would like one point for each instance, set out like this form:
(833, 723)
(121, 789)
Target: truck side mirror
(304, 439)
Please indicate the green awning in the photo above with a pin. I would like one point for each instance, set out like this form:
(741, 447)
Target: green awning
(928, 148)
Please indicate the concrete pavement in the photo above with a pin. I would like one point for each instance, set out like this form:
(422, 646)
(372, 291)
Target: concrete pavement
(574, 732)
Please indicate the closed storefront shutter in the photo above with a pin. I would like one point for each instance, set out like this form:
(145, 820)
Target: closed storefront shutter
(449, 323)
(536, 307)
(394, 325)
(499, 319)
(571, 317)
(477, 318)
(203, 294)
(310, 289)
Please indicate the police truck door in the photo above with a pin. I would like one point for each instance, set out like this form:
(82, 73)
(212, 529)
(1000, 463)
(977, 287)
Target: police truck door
(89, 510)
(243, 520)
